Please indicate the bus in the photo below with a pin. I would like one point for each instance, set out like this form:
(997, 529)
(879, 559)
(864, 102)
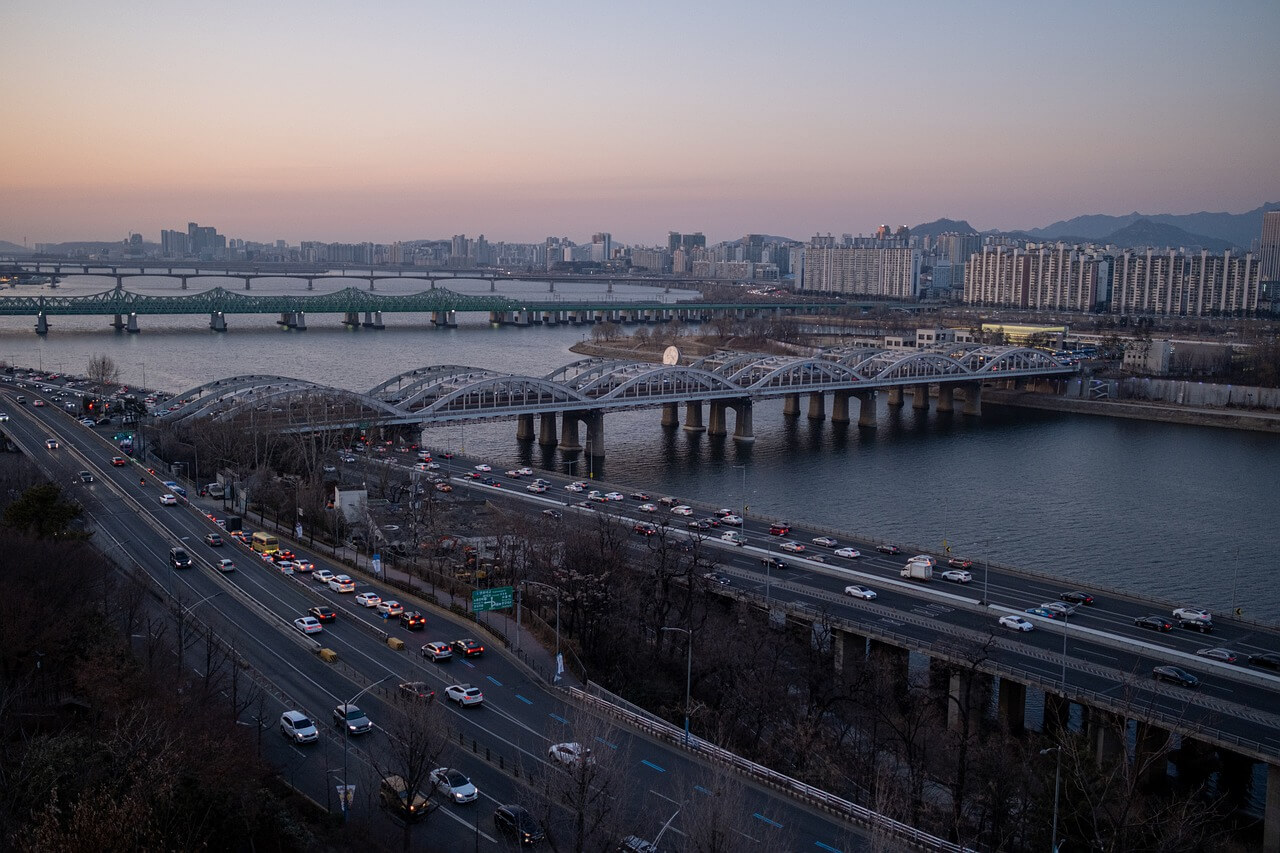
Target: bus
(264, 543)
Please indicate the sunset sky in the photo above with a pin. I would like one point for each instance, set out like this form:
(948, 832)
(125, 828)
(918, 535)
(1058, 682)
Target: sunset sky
(403, 120)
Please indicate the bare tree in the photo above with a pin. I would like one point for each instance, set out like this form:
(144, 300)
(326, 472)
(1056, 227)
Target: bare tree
(589, 787)
(103, 370)
(416, 737)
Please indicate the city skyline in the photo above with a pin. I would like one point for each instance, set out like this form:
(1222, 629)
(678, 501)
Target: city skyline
(288, 122)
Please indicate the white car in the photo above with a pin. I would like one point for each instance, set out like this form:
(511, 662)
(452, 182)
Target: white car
(464, 694)
(525, 472)
(298, 727)
(858, 591)
(389, 609)
(614, 496)
(570, 754)
(225, 565)
(1193, 614)
(168, 500)
(792, 547)
(421, 466)
(4, 416)
(733, 537)
(308, 625)
(681, 509)
(1060, 607)
(824, 541)
(956, 576)
(647, 508)
(575, 487)
(731, 520)
(536, 488)
(483, 468)
(303, 565)
(322, 576)
(285, 567)
(514, 473)
(848, 553)
(454, 785)
(437, 651)
(348, 458)
(1016, 623)
(342, 583)
(368, 599)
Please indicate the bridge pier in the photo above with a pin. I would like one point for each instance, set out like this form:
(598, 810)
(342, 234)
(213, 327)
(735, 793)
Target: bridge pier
(300, 321)
(569, 431)
(817, 406)
(493, 285)
(184, 279)
(118, 323)
(693, 416)
(1106, 734)
(551, 287)
(547, 429)
(246, 281)
(495, 318)
(671, 414)
(946, 397)
(920, 398)
(716, 419)
(892, 661)
(967, 696)
(1057, 713)
(218, 321)
(1013, 705)
(132, 328)
(447, 319)
(524, 428)
(840, 407)
(867, 410)
(895, 395)
(42, 324)
(973, 398)
(743, 427)
(311, 282)
(352, 320)
(1271, 811)
(1151, 753)
(373, 320)
(595, 433)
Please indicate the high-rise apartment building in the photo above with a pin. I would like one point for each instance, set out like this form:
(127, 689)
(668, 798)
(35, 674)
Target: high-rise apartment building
(1040, 277)
(1169, 282)
(1269, 248)
(688, 242)
(891, 272)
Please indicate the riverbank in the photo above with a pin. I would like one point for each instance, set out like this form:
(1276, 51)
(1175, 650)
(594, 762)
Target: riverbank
(1164, 412)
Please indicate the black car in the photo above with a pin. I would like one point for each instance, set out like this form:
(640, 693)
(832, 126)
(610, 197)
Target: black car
(774, 563)
(467, 648)
(417, 691)
(1155, 623)
(718, 578)
(516, 822)
(1077, 597)
(179, 558)
(640, 496)
(1268, 660)
(86, 477)
(324, 613)
(1196, 625)
(413, 620)
(1175, 675)
(888, 549)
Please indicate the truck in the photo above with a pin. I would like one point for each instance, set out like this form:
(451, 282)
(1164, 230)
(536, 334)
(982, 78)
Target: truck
(918, 569)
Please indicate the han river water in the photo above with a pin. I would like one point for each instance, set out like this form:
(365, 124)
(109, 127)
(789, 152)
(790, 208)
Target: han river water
(1183, 513)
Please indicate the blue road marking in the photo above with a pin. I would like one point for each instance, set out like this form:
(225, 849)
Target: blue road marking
(655, 767)
(524, 700)
(703, 790)
(606, 743)
(468, 663)
(494, 680)
(772, 823)
(827, 847)
(559, 718)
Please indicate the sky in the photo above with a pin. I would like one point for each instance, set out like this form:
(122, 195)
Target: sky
(413, 119)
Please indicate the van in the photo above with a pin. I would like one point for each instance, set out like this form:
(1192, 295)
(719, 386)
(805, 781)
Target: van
(264, 543)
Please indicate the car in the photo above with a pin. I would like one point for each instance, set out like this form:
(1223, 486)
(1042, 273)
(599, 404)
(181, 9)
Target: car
(645, 528)
(213, 540)
(298, 727)
(779, 529)
(51, 443)
(614, 496)
(448, 454)
(553, 513)
(848, 553)
(576, 487)
(1175, 675)
(443, 487)
(682, 509)
(323, 613)
(454, 785)
(792, 547)
(417, 691)
(284, 566)
(959, 563)
(774, 563)
(308, 625)
(412, 620)
(322, 576)
(1193, 614)
(464, 694)
(570, 754)
(525, 472)
(1059, 607)
(119, 461)
(889, 549)
(516, 823)
(699, 524)
(85, 477)
(824, 541)
(347, 458)
(468, 648)
(1077, 597)
(393, 795)
(328, 469)
(717, 578)
(390, 609)
(1224, 655)
(1016, 623)
(733, 537)
(1267, 660)
(731, 520)
(535, 488)
(342, 583)
(352, 719)
(225, 565)
(640, 496)
(483, 468)
(514, 473)
(39, 404)
(956, 576)
(168, 500)
(1155, 623)
(301, 565)
(368, 599)
(1042, 612)
(4, 416)
(668, 501)
(647, 508)
(858, 591)
(437, 651)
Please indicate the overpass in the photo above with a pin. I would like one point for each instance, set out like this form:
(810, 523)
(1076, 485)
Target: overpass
(584, 391)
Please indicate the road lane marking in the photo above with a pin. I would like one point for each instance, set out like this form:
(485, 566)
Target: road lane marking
(704, 790)
(524, 700)
(772, 823)
(559, 718)
(494, 680)
(652, 765)
(606, 743)
(827, 847)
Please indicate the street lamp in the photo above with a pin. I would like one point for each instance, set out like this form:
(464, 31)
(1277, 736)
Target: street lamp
(346, 741)
(744, 494)
(688, 679)
(1057, 785)
(554, 589)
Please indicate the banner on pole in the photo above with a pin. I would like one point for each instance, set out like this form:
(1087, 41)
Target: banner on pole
(377, 564)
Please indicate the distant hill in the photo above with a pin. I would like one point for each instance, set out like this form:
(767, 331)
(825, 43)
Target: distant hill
(943, 226)
(1144, 232)
(1236, 229)
(7, 248)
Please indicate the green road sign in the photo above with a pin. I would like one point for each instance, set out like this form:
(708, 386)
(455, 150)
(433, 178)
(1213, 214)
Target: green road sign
(497, 598)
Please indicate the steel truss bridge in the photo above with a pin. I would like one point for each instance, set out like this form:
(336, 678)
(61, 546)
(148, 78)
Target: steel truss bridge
(588, 388)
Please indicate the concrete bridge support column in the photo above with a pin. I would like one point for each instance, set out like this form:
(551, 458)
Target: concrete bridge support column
(547, 429)
(817, 407)
(300, 321)
(132, 328)
(1235, 778)
(892, 662)
(246, 281)
(375, 322)
(693, 416)
(791, 406)
(1271, 811)
(840, 407)
(1106, 733)
(973, 398)
(551, 287)
(286, 319)
(595, 433)
(1057, 713)
(1013, 705)
(946, 397)
(743, 427)
(184, 281)
(218, 321)
(671, 414)
(42, 324)
(716, 420)
(1151, 753)
(118, 323)
(311, 282)
(495, 318)
(352, 319)
(493, 285)
(524, 428)
(968, 694)
(867, 412)
(920, 398)
(895, 395)
(569, 431)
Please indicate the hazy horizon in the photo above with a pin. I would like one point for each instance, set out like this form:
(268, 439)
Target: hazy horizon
(304, 121)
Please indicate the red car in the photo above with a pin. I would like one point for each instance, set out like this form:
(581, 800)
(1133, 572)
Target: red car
(119, 461)
(779, 529)
(958, 563)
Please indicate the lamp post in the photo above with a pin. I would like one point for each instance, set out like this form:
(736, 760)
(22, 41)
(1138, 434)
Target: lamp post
(744, 494)
(346, 741)
(1057, 773)
(688, 679)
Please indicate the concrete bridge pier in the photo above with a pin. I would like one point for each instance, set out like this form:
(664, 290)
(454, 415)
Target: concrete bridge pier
(716, 419)
(551, 287)
(892, 662)
(524, 428)
(495, 318)
(547, 429)
(184, 280)
(791, 406)
(743, 426)
(1057, 713)
(968, 695)
(118, 323)
(569, 431)
(371, 287)
(817, 406)
(1106, 734)
(1013, 705)
(42, 324)
(311, 282)
(132, 328)
(595, 433)
(1271, 811)
(373, 320)
(840, 407)
(1152, 746)
(352, 319)
(671, 414)
(895, 395)
(493, 285)
(867, 411)
(973, 398)
(693, 416)
(946, 397)
(920, 398)
(300, 321)
(246, 281)
(218, 321)
(1235, 779)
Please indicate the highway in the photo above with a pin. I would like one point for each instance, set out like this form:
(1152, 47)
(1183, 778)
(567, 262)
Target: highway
(253, 608)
